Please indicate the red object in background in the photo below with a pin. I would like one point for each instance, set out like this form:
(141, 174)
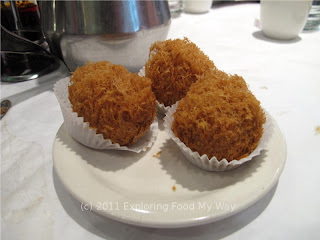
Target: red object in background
(29, 17)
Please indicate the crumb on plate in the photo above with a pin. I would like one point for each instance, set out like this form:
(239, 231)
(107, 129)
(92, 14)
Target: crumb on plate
(157, 155)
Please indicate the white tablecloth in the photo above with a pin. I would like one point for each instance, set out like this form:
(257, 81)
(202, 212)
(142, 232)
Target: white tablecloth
(284, 76)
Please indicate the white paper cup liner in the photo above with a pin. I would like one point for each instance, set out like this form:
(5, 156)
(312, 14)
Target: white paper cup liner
(160, 106)
(82, 132)
(213, 164)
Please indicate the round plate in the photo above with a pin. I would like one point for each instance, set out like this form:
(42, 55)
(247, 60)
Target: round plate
(160, 188)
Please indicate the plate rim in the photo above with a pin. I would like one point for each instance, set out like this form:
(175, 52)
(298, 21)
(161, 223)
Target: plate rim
(116, 215)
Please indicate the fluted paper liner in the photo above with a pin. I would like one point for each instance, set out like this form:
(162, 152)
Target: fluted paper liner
(83, 133)
(160, 106)
(213, 164)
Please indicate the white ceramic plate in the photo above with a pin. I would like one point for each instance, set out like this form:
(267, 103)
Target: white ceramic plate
(138, 188)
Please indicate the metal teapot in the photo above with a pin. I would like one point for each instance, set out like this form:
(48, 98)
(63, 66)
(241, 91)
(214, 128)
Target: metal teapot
(117, 31)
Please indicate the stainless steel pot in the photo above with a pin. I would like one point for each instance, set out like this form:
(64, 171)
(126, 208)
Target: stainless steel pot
(117, 31)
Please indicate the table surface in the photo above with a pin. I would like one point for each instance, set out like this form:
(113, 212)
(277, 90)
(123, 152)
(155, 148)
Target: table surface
(284, 76)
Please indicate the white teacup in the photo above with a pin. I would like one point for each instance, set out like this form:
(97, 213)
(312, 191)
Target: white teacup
(283, 19)
(196, 6)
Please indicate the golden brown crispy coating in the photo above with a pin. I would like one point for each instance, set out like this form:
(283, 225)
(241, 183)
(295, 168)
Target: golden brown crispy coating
(220, 117)
(118, 104)
(173, 66)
